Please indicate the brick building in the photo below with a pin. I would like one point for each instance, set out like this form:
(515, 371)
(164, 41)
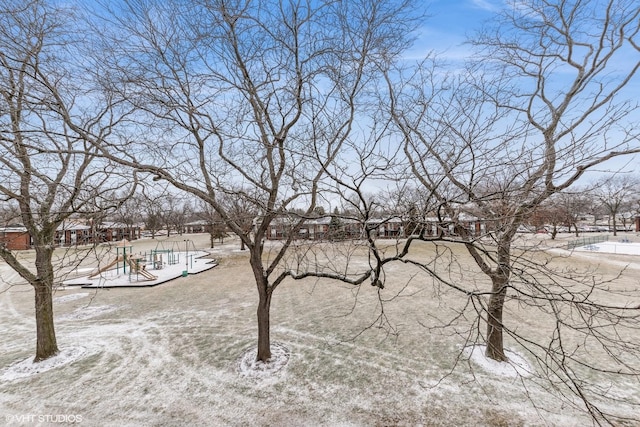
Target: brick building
(15, 238)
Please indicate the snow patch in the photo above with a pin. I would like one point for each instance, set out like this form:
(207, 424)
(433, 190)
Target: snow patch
(28, 367)
(515, 366)
(88, 312)
(249, 367)
(71, 297)
(623, 247)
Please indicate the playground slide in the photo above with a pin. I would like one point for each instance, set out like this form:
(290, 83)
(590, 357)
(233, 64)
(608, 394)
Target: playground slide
(133, 265)
(136, 267)
(106, 267)
(146, 274)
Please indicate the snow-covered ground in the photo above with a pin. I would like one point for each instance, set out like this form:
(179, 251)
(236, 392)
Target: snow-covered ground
(612, 247)
(182, 354)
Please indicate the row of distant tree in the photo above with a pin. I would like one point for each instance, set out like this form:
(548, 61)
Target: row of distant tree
(614, 197)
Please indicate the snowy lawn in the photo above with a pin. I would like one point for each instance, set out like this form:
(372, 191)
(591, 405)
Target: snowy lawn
(182, 353)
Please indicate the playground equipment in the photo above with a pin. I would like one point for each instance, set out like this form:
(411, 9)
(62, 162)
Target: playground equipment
(133, 261)
(125, 259)
(159, 260)
(139, 268)
(161, 255)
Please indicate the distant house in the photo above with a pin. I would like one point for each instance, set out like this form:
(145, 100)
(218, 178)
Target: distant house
(432, 226)
(15, 238)
(328, 228)
(114, 232)
(313, 229)
(72, 233)
(200, 226)
(388, 228)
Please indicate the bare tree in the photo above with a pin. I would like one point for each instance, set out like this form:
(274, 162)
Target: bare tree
(524, 139)
(152, 219)
(175, 212)
(615, 193)
(9, 214)
(129, 213)
(635, 206)
(414, 207)
(250, 102)
(47, 169)
(561, 209)
(575, 204)
(214, 224)
(548, 215)
(544, 104)
(243, 211)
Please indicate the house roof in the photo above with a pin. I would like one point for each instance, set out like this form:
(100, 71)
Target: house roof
(72, 226)
(13, 229)
(198, 222)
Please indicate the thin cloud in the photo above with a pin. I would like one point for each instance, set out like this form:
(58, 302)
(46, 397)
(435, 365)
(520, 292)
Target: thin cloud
(485, 5)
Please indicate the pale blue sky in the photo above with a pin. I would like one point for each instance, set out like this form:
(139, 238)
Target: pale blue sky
(449, 23)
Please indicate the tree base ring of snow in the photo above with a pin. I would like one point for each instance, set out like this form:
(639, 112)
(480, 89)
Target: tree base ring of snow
(515, 366)
(248, 366)
(28, 367)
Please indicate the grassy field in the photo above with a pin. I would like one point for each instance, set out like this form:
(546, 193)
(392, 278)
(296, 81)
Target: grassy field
(169, 355)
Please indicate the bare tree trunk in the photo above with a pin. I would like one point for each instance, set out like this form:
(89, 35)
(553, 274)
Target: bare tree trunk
(495, 344)
(46, 344)
(264, 336)
(615, 226)
(264, 304)
(499, 280)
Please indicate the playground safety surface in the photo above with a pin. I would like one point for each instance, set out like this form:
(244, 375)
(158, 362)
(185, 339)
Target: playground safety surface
(193, 263)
